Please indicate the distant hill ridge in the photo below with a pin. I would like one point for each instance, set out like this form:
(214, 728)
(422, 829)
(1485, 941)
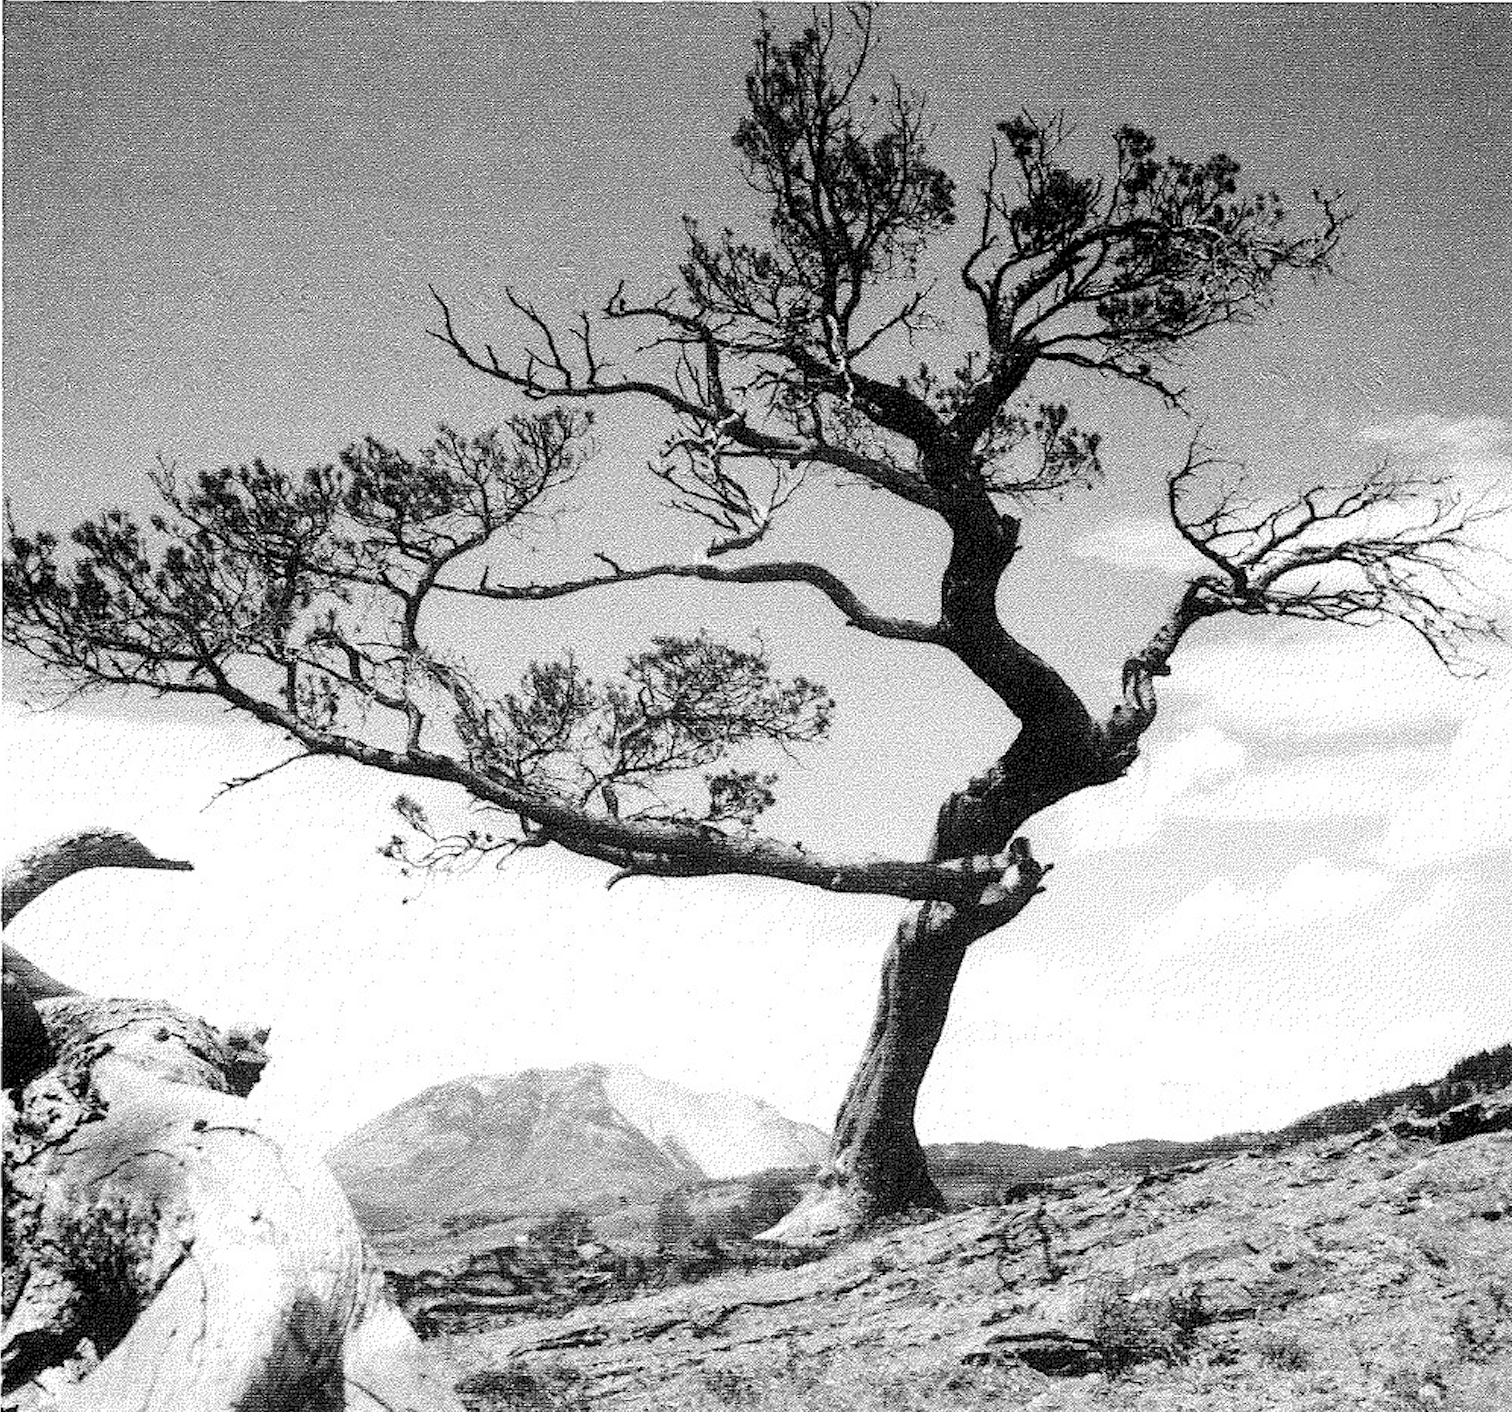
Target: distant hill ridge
(969, 1171)
(1483, 1072)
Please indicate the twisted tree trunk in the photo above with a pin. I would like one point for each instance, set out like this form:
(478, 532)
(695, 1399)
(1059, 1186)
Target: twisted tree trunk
(875, 1152)
(877, 1167)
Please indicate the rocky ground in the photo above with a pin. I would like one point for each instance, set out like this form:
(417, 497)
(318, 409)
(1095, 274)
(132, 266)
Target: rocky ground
(1372, 1271)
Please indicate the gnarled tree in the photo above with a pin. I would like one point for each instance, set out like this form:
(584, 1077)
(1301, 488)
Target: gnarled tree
(304, 601)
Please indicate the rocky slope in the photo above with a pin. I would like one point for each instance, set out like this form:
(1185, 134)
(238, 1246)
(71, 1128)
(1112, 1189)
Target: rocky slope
(1370, 1271)
(587, 1136)
(970, 1173)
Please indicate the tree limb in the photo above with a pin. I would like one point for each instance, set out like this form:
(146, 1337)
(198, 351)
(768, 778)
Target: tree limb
(1397, 547)
(857, 614)
(653, 847)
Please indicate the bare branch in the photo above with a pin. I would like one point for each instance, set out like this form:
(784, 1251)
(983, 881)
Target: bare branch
(1389, 547)
(701, 471)
(240, 781)
(1393, 546)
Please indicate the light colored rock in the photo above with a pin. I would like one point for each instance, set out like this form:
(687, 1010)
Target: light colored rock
(211, 1262)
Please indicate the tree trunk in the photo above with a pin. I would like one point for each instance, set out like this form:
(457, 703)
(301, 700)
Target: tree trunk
(167, 1251)
(877, 1166)
(875, 1150)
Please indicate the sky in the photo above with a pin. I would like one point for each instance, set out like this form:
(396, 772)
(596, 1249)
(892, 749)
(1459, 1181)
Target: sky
(220, 226)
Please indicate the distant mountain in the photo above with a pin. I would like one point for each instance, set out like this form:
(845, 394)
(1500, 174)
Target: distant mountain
(969, 1173)
(587, 1136)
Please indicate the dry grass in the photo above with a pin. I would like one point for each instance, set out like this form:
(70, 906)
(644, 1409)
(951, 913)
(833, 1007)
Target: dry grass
(785, 1381)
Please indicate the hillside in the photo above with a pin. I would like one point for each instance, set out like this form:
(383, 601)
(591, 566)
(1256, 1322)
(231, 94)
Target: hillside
(1481, 1073)
(1369, 1271)
(975, 1172)
(592, 1136)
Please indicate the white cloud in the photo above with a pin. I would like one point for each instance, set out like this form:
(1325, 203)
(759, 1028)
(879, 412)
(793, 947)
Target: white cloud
(1476, 452)
(1132, 810)
(1420, 916)
(1358, 784)
(1304, 727)
(1244, 1005)
(1140, 542)
(376, 984)
(1322, 680)
(1316, 894)
(1462, 441)
(1466, 809)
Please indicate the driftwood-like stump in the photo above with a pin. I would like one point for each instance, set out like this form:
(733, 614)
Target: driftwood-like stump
(167, 1252)
(164, 1251)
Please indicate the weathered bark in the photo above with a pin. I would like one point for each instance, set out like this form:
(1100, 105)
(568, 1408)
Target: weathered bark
(165, 1249)
(875, 1150)
(31, 875)
(28, 1051)
(877, 1167)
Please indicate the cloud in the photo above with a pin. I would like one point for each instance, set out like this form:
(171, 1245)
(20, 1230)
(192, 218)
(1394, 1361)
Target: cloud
(1447, 442)
(1321, 681)
(1465, 809)
(1132, 810)
(291, 918)
(1356, 784)
(1317, 894)
(1243, 1005)
(1476, 452)
(1140, 542)
(1278, 775)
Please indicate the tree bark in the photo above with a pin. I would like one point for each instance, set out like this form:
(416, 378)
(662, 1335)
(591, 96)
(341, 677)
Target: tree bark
(875, 1150)
(165, 1251)
(877, 1167)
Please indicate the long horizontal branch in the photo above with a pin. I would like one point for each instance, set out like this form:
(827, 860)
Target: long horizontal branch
(682, 850)
(857, 614)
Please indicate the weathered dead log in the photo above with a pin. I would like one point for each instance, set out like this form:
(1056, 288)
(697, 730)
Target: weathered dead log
(166, 1250)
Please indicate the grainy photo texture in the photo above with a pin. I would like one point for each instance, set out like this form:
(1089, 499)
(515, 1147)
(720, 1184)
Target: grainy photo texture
(763, 709)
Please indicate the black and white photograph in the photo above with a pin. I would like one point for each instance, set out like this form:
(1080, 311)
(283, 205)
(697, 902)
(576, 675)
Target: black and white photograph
(725, 708)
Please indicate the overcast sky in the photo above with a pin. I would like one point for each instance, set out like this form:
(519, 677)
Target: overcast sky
(220, 225)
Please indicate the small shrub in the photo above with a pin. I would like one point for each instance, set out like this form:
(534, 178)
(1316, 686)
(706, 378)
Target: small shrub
(113, 1264)
(519, 1389)
(674, 1222)
(564, 1231)
(1480, 1321)
(730, 1387)
(1416, 1384)
(1284, 1351)
(1127, 1332)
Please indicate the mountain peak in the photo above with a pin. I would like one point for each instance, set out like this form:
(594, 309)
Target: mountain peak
(545, 1138)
